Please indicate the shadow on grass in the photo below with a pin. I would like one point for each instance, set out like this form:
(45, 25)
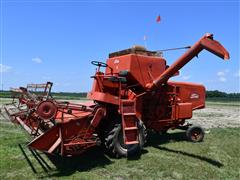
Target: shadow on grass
(65, 166)
(155, 140)
(158, 139)
(92, 158)
(27, 158)
(202, 158)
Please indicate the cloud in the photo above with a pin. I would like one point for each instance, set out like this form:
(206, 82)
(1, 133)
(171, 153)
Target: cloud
(223, 73)
(186, 77)
(37, 60)
(4, 68)
(220, 73)
(222, 79)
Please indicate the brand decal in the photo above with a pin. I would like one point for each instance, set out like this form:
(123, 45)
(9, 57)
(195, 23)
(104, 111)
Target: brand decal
(116, 61)
(194, 96)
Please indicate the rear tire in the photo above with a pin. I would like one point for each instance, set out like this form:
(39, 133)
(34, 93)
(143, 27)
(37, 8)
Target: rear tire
(115, 144)
(195, 133)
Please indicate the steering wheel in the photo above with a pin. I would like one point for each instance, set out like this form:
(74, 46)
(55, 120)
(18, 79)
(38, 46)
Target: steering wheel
(99, 64)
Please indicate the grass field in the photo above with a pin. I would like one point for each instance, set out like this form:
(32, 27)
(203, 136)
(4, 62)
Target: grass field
(165, 157)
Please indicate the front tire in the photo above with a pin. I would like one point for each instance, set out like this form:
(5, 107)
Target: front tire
(115, 144)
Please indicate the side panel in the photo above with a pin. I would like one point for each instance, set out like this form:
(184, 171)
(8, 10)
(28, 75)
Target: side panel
(191, 93)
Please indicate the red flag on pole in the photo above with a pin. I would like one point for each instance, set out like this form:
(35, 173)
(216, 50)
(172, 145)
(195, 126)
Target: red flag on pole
(158, 19)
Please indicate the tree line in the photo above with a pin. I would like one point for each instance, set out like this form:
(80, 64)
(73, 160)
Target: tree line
(209, 94)
(216, 94)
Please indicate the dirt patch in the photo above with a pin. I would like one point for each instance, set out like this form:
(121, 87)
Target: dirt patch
(217, 115)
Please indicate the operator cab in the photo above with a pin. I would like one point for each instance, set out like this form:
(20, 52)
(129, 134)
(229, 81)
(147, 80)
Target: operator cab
(133, 67)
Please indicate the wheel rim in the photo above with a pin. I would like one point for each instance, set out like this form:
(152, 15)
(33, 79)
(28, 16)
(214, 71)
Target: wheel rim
(46, 110)
(196, 134)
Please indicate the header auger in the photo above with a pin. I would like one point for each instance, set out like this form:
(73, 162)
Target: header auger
(134, 94)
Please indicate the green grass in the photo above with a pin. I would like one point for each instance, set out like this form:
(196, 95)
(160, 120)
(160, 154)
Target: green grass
(165, 157)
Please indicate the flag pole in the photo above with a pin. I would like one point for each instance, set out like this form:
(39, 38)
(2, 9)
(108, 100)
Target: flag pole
(145, 41)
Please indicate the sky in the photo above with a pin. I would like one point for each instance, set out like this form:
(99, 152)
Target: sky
(56, 40)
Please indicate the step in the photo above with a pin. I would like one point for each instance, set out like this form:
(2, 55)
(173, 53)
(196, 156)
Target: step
(132, 142)
(129, 114)
(130, 128)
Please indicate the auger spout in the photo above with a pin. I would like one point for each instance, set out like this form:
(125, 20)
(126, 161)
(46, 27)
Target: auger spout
(206, 42)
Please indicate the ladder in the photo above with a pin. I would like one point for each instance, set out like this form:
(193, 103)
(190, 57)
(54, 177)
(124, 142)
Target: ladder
(129, 122)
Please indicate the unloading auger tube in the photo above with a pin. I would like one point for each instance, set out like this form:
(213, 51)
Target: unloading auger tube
(206, 42)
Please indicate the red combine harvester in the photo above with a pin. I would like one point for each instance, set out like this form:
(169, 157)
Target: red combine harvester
(132, 95)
